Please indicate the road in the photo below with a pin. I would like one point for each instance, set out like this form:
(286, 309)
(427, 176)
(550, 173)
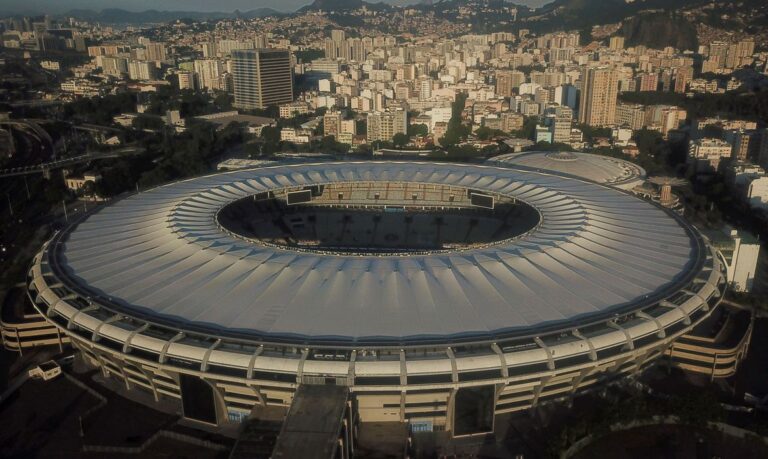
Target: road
(40, 168)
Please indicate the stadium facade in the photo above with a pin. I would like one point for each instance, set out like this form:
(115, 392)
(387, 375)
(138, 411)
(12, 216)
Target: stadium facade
(438, 294)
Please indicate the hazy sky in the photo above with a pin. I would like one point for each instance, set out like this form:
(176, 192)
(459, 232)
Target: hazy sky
(59, 6)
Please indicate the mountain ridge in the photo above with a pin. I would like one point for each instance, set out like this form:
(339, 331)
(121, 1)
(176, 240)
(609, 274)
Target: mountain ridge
(121, 16)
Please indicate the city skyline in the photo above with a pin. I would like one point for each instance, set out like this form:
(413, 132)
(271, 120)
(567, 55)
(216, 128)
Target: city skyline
(453, 229)
(224, 6)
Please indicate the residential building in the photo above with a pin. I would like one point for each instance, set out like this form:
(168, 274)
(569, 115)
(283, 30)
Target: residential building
(757, 193)
(186, 80)
(630, 115)
(141, 70)
(155, 51)
(705, 155)
(382, 126)
(740, 252)
(746, 145)
(332, 124)
(598, 96)
(507, 81)
(208, 73)
(295, 135)
(616, 43)
(294, 108)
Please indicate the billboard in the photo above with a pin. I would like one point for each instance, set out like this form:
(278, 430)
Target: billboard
(298, 197)
(481, 200)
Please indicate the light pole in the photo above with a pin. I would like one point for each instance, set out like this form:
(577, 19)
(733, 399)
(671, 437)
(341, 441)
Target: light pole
(10, 206)
(64, 204)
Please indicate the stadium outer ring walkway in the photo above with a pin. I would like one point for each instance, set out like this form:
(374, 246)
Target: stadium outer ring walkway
(394, 378)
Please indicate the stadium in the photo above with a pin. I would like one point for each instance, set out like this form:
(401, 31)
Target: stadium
(435, 294)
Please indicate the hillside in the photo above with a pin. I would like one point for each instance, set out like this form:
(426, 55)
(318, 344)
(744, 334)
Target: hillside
(658, 30)
(341, 5)
(583, 14)
(119, 16)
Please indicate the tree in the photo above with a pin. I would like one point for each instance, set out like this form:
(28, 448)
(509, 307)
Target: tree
(529, 128)
(55, 190)
(223, 101)
(417, 130)
(89, 187)
(484, 133)
(148, 122)
(400, 140)
(593, 132)
(456, 131)
(458, 153)
(556, 146)
(329, 145)
(270, 134)
(361, 126)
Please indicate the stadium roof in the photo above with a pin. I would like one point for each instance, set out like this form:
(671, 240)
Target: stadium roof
(161, 255)
(601, 169)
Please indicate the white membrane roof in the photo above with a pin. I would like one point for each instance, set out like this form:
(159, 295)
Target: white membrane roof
(161, 254)
(597, 168)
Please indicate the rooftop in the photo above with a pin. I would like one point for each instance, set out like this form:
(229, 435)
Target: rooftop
(597, 168)
(162, 255)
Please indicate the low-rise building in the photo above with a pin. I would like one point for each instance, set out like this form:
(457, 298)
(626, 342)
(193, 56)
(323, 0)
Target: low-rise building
(295, 135)
(294, 108)
(757, 193)
(252, 124)
(51, 65)
(77, 183)
(740, 252)
(704, 155)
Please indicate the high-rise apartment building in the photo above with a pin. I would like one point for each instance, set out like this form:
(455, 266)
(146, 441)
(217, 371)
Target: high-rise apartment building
(425, 88)
(683, 76)
(141, 70)
(506, 81)
(186, 80)
(630, 115)
(155, 51)
(762, 155)
(560, 121)
(717, 53)
(332, 124)
(647, 81)
(566, 95)
(511, 121)
(746, 145)
(338, 35)
(616, 43)
(664, 118)
(262, 77)
(208, 49)
(227, 47)
(600, 86)
(382, 126)
(208, 73)
(113, 65)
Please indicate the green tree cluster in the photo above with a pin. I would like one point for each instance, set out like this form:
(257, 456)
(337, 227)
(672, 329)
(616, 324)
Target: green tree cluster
(749, 105)
(99, 110)
(191, 152)
(456, 130)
